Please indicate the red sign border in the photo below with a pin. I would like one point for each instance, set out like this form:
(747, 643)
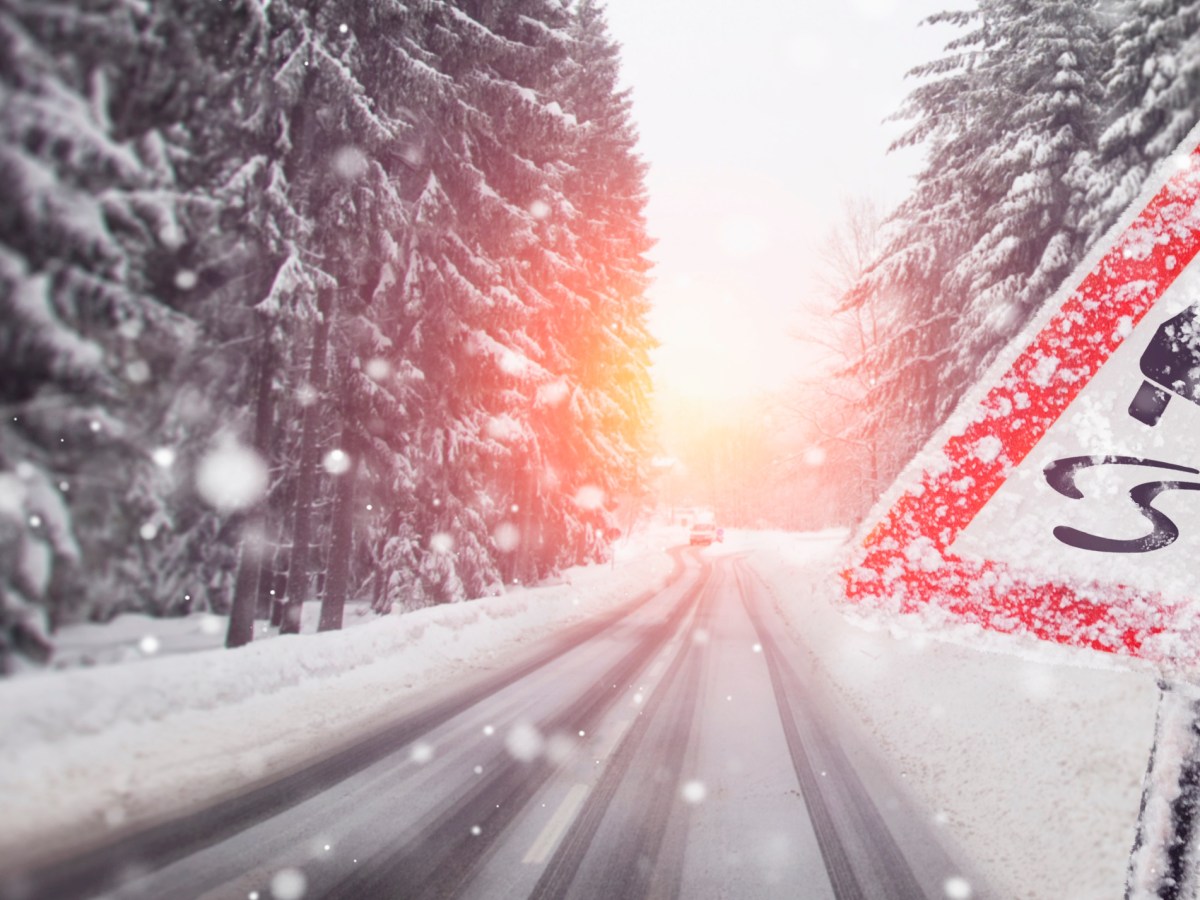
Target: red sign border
(903, 564)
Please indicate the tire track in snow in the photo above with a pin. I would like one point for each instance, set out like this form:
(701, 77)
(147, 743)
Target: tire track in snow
(448, 850)
(669, 713)
(861, 855)
(107, 865)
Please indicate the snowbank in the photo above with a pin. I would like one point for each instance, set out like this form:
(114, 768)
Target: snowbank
(1031, 754)
(89, 750)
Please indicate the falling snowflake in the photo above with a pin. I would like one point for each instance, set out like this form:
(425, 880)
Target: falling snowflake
(350, 163)
(148, 531)
(288, 884)
(378, 369)
(502, 428)
(441, 543)
(421, 753)
(171, 235)
(553, 394)
(164, 457)
(814, 457)
(138, 372)
(231, 477)
(589, 497)
(336, 462)
(507, 537)
(524, 742)
(413, 155)
(306, 395)
(149, 645)
(957, 888)
(694, 792)
(539, 209)
(511, 363)
(186, 279)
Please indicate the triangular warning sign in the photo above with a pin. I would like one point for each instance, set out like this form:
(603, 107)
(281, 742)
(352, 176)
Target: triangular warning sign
(1062, 498)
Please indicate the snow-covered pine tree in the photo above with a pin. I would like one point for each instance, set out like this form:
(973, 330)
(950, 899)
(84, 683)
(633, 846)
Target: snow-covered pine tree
(337, 161)
(604, 449)
(1152, 100)
(992, 226)
(361, 230)
(437, 204)
(589, 408)
(1040, 64)
(471, 223)
(923, 238)
(87, 228)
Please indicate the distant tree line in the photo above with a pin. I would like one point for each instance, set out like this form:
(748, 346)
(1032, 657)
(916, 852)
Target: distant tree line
(1039, 125)
(310, 299)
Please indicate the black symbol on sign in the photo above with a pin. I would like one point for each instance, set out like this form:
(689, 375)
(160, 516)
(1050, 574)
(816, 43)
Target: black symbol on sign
(1061, 476)
(1171, 365)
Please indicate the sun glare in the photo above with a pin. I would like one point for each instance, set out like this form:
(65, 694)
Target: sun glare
(711, 348)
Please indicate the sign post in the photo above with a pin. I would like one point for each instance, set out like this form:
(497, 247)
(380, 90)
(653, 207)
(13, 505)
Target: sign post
(1060, 502)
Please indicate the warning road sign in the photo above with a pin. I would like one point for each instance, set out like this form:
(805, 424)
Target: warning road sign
(1062, 499)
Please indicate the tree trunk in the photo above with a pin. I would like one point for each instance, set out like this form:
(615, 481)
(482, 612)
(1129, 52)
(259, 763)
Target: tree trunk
(306, 479)
(333, 601)
(253, 545)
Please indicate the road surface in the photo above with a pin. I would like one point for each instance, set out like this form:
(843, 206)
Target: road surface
(676, 748)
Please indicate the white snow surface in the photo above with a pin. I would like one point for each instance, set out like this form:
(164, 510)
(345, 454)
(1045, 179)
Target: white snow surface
(1031, 755)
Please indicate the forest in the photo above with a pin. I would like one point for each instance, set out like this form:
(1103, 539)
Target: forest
(307, 300)
(1038, 127)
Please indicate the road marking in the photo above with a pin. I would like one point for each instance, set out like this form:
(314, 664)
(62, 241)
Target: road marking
(557, 826)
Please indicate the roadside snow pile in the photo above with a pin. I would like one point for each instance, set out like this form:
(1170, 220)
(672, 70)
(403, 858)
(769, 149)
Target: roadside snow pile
(101, 747)
(1031, 754)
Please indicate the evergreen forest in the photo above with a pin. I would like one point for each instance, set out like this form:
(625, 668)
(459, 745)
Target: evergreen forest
(305, 300)
(1038, 126)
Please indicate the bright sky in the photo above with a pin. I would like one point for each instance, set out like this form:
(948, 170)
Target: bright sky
(757, 122)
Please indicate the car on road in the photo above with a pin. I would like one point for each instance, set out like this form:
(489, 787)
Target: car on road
(704, 533)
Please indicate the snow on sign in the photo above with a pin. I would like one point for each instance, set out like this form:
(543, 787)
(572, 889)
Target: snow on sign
(1062, 499)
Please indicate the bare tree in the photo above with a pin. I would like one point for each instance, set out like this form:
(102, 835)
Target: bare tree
(851, 328)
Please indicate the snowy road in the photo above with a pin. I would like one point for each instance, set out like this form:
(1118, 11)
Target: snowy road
(671, 749)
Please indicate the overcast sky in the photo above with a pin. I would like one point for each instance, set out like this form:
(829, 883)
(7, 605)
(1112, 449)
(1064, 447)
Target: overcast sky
(756, 121)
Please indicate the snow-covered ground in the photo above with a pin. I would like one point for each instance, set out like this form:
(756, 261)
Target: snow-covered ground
(1032, 755)
(146, 731)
